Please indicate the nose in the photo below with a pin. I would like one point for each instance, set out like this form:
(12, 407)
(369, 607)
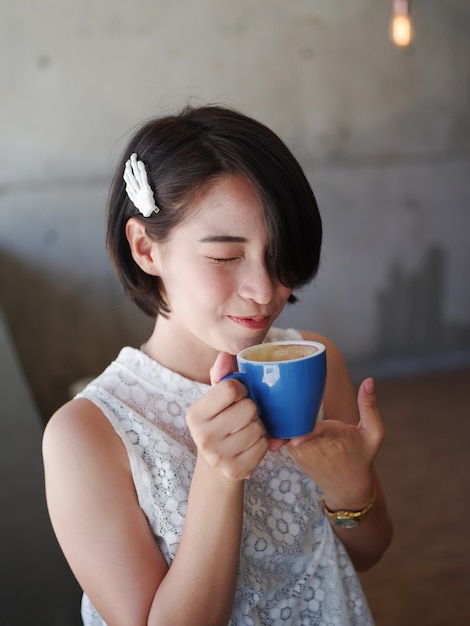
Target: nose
(257, 284)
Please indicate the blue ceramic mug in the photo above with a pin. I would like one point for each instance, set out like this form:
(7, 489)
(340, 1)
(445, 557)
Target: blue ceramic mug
(286, 380)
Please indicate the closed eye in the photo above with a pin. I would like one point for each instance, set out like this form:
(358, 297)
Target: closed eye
(223, 261)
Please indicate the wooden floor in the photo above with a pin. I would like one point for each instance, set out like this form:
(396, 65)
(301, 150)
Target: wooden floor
(424, 465)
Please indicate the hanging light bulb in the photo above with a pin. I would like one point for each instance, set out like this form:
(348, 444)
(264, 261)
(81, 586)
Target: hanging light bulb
(401, 28)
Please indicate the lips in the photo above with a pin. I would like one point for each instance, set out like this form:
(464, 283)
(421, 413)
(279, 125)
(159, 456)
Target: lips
(257, 322)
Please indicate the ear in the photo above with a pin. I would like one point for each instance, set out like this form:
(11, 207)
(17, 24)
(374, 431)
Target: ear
(145, 252)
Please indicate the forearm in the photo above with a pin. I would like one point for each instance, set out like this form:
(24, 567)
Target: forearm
(367, 542)
(200, 584)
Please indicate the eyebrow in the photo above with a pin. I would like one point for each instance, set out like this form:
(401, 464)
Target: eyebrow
(223, 238)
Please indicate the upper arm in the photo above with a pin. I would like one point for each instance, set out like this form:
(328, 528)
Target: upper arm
(339, 400)
(96, 516)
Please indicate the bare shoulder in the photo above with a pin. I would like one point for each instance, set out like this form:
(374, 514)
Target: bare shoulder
(311, 336)
(333, 353)
(340, 396)
(79, 427)
(83, 453)
(76, 413)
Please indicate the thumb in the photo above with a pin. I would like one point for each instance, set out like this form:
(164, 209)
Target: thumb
(223, 365)
(370, 421)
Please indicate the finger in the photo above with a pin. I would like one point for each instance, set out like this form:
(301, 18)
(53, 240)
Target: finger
(244, 436)
(370, 421)
(276, 444)
(241, 466)
(237, 431)
(223, 365)
(253, 454)
(297, 441)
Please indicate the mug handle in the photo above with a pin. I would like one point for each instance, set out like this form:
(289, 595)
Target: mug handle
(243, 378)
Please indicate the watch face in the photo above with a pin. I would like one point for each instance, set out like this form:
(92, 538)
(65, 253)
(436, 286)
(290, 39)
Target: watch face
(346, 523)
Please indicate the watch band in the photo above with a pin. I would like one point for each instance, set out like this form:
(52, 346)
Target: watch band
(349, 519)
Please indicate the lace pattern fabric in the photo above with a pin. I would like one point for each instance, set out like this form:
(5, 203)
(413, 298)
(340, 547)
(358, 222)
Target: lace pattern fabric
(293, 569)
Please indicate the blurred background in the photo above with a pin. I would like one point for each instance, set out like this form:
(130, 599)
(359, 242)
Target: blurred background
(382, 132)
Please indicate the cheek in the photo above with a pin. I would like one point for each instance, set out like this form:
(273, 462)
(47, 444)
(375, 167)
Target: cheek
(196, 285)
(217, 286)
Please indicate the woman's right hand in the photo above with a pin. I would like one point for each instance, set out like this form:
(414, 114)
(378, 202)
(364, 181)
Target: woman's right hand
(225, 426)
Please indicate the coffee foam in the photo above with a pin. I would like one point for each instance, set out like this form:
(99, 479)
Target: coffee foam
(279, 352)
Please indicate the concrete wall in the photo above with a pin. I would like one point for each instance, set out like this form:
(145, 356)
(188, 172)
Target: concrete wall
(383, 136)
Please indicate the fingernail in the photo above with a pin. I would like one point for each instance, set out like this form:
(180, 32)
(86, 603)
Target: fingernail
(369, 386)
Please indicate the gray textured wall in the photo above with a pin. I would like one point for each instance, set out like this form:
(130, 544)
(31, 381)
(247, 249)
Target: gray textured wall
(383, 136)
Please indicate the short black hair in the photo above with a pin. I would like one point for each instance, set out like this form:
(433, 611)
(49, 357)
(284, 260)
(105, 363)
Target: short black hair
(184, 154)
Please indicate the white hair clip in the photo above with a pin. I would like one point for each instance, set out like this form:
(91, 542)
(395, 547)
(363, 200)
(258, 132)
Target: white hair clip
(138, 188)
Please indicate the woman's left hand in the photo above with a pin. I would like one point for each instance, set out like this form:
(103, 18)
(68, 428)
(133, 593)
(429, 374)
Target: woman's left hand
(339, 456)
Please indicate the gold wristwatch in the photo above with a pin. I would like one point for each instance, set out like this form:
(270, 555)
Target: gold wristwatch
(349, 519)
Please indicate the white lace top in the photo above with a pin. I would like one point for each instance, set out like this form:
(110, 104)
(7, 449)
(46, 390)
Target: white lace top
(293, 570)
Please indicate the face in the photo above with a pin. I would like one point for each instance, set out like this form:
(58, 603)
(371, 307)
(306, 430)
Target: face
(216, 275)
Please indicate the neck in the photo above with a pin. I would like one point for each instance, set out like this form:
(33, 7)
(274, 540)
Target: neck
(188, 357)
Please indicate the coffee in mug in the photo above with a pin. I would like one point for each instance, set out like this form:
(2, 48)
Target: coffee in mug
(270, 352)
